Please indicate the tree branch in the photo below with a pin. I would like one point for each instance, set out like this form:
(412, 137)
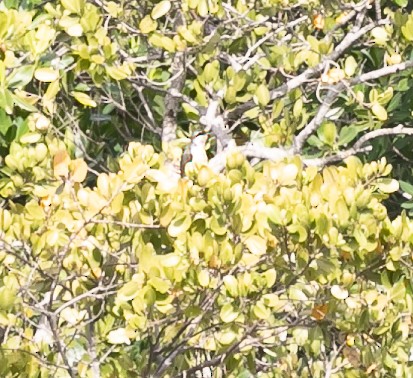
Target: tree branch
(334, 92)
(359, 146)
(169, 124)
(310, 73)
(381, 72)
(315, 123)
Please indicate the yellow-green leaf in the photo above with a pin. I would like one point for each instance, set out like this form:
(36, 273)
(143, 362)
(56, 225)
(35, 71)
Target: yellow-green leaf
(7, 298)
(147, 25)
(159, 40)
(170, 260)
(379, 111)
(74, 6)
(78, 169)
(161, 9)
(261, 312)
(256, 244)
(228, 314)
(262, 95)
(338, 292)
(84, 99)
(118, 73)
(387, 185)
(129, 291)
(159, 284)
(231, 284)
(350, 66)
(179, 225)
(118, 336)
(46, 74)
(203, 278)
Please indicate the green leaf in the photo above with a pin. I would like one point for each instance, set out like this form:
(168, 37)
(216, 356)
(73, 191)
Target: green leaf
(226, 338)
(300, 230)
(23, 104)
(347, 134)
(406, 187)
(398, 291)
(401, 3)
(6, 100)
(203, 278)
(380, 35)
(327, 133)
(5, 122)
(35, 211)
(211, 71)
(300, 335)
(403, 85)
(297, 294)
(231, 284)
(395, 102)
(20, 77)
(342, 211)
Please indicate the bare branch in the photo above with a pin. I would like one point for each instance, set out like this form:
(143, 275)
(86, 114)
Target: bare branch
(219, 359)
(377, 8)
(398, 130)
(126, 224)
(315, 123)
(169, 124)
(310, 73)
(333, 93)
(335, 353)
(91, 338)
(213, 121)
(385, 71)
(360, 145)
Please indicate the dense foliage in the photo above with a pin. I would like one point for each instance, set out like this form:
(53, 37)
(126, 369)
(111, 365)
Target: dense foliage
(276, 252)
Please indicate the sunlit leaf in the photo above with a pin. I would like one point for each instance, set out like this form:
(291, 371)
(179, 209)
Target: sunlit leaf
(61, 161)
(78, 169)
(339, 292)
(161, 9)
(118, 336)
(46, 74)
(228, 313)
(379, 111)
(84, 99)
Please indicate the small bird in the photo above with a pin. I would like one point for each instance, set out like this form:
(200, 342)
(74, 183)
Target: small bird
(195, 152)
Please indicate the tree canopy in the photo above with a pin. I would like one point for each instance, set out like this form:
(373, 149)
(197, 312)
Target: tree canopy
(284, 250)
